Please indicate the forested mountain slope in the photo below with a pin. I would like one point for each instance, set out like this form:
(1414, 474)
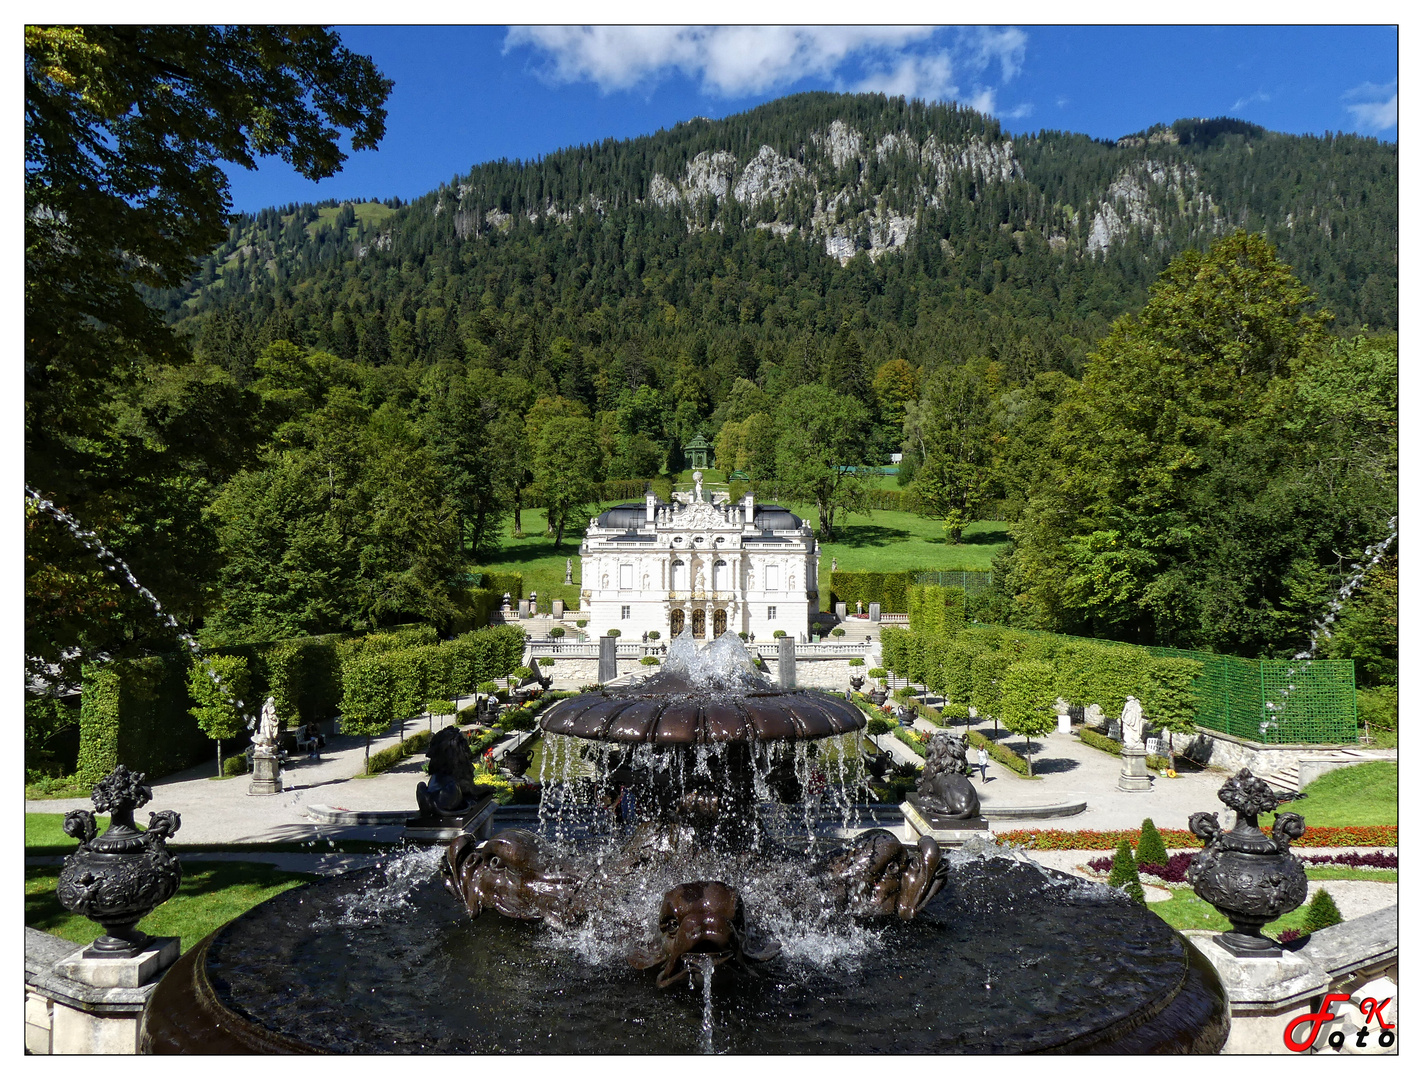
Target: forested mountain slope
(745, 243)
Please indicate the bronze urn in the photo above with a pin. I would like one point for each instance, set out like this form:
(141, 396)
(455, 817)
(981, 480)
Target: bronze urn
(118, 878)
(1249, 877)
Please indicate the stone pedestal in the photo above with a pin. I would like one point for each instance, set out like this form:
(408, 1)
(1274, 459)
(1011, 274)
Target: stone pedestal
(523, 609)
(785, 663)
(1064, 724)
(1134, 775)
(874, 613)
(129, 971)
(266, 775)
(948, 832)
(77, 1005)
(558, 609)
(478, 821)
(840, 611)
(607, 659)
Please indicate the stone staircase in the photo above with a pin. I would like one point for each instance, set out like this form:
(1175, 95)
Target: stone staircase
(1287, 777)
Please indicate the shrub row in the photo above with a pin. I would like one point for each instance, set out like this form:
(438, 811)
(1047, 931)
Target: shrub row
(382, 686)
(1173, 870)
(1093, 840)
(393, 755)
(499, 583)
(970, 666)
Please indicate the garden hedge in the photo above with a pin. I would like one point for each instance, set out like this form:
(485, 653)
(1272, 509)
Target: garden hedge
(500, 583)
(890, 590)
(392, 756)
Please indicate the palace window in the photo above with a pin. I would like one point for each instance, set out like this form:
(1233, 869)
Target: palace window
(627, 611)
(625, 576)
(773, 578)
(770, 612)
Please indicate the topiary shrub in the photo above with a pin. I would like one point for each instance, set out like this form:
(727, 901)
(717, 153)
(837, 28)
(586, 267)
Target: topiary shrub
(1150, 849)
(649, 661)
(878, 725)
(1124, 874)
(557, 632)
(582, 623)
(855, 661)
(615, 632)
(877, 673)
(742, 634)
(839, 631)
(778, 633)
(654, 635)
(545, 661)
(236, 765)
(1321, 912)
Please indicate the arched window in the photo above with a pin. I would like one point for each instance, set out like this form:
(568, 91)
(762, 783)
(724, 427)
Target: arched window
(699, 623)
(718, 622)
(679, 575)
(720, 579)
(679, 621)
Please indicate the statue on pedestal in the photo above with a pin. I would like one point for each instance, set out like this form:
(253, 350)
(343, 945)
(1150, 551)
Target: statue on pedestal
(1131, 724)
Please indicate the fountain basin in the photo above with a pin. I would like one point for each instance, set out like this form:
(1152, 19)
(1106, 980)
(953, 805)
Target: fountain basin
(666, 713)
(1009, 957)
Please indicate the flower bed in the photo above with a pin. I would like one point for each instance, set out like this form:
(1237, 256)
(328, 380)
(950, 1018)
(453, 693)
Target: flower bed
(1094, 840)
(1174, 871)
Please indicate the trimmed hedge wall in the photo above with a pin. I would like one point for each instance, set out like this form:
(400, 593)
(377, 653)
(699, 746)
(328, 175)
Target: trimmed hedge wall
(137, 711)
(967, 665)
(500, 583)
(889, 590)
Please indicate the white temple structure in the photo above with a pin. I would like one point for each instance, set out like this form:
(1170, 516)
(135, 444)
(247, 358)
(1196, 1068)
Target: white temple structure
(701, 563)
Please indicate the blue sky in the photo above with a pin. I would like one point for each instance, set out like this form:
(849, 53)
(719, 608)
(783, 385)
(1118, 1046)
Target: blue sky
(466, 95)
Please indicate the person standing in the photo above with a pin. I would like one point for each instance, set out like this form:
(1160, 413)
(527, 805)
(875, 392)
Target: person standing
(983, 763)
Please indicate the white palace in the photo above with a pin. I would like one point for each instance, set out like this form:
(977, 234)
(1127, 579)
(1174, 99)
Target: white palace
(700, 562)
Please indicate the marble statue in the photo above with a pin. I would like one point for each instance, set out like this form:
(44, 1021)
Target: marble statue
(267, 729)
(1131, 724)
(568, 571)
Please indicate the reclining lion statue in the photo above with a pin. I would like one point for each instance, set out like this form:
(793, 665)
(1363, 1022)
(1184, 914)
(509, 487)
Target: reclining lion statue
(945, 789)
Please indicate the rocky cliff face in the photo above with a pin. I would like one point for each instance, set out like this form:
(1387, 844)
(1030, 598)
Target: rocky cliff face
(1133, 201)
(842, 214)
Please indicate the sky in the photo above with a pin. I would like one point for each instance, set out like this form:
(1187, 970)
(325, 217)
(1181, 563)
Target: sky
(469, 94)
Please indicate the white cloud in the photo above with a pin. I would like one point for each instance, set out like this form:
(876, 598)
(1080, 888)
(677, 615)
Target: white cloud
(929, 76)
(987, 44)
(1376, 114)
(728, 60)
(1248, 100)
(1017, 112)
(734, 61)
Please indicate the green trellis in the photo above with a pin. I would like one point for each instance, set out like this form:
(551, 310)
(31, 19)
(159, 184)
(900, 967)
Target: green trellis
(972, 582)
(1274, 701)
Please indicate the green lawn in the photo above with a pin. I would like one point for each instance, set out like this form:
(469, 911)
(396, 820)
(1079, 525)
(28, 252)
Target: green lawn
(211, 894)
(880, 540)
(1359, 795)
(45, 836)
(1187, 911)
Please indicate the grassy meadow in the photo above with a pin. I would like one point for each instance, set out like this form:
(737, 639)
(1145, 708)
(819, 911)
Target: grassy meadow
(882, 540)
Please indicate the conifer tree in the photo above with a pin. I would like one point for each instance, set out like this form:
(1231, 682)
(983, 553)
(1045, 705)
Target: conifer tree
(1124, 873)
(1321, 912)
(1150, 849)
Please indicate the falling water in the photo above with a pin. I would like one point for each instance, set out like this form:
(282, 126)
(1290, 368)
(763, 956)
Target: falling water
(1322, 630)
(705, 966)
(111, 562)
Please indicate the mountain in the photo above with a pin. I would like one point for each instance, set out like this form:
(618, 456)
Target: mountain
(745, 244)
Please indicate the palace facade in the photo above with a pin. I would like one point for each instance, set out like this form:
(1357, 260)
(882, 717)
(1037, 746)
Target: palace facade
(701, 563)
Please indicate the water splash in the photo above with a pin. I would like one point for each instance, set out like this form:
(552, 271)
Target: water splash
(705, 967)
(724, 664)
(110, 561)
(389, 893)
(1323, 628)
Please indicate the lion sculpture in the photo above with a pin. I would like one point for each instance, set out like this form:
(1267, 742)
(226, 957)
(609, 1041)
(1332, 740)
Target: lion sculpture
(945, 789)
(450, 790)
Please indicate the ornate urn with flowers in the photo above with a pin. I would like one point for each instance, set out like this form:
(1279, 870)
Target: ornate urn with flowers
(118, 878)
(1249, 877)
